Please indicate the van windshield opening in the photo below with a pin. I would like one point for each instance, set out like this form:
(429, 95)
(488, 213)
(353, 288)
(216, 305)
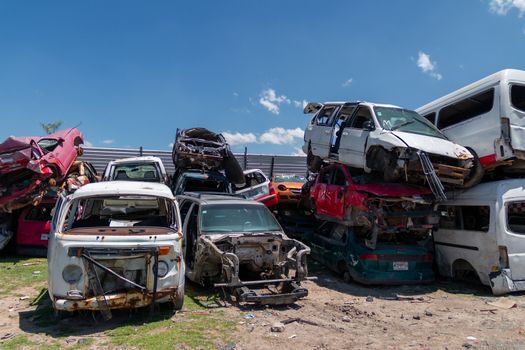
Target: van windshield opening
(120, 211)
(405, 120)
(237, 218)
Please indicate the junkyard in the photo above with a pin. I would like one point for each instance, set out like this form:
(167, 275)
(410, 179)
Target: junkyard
(278, 175)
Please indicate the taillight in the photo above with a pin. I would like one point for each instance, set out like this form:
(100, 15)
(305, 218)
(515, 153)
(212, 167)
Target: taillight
(503, 257)
(428, 257)
(164, 250)
(367, 256)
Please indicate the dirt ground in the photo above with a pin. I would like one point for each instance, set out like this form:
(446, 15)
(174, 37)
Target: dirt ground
(336, 315)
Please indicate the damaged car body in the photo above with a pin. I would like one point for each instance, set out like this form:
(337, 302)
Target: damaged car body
(357, 199)
(115, 245)
(237, 245)
(395, 142)
(29, 165)
(200, 148)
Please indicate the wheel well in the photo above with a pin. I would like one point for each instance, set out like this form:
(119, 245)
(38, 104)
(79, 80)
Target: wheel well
(341, 267)
(78, 141)
(462, 269)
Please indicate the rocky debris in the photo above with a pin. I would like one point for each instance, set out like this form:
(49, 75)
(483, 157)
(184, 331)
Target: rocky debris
(277, 327)
(428, 313)
(416, 317)
(369, 299)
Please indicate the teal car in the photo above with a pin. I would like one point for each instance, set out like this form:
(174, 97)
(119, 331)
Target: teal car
(344, 250)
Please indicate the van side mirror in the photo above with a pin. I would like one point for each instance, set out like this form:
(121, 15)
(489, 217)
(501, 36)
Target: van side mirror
(368, 125)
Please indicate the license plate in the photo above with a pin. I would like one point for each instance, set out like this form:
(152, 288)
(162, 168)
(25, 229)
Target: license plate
(400, 265)
(44, 237)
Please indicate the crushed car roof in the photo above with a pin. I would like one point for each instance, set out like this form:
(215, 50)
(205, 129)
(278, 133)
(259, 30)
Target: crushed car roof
(124, 187)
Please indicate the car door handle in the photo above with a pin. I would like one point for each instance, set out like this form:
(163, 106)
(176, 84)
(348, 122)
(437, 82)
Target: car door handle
(345, 133)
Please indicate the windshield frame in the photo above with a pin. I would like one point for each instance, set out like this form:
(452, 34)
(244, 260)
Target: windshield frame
(415, 119)
(172, 217)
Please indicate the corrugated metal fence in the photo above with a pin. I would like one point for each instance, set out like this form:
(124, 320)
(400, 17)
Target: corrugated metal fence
(100, 157)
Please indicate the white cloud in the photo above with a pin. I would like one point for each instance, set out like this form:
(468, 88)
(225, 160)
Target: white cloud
(239, 139)
(347, 83)
(281, 136)
(298, 151)
(427, 66)
(87, 143)
(108, 142)
(235, 94)
(271, 101)
(300, 104)
(276, 136)
(502, 7)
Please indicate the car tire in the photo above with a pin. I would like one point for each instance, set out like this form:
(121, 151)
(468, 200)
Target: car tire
(233, 169)
(313, 162)
(476, 173)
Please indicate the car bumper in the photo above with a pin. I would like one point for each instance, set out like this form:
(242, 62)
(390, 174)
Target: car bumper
(393, 277)
(128, 300)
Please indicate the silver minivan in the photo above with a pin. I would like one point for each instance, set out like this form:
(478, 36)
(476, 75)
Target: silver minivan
(482, 234)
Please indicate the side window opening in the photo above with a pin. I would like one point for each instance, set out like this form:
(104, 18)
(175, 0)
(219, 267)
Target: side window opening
(325, 176)
(517, 97)
(466, 218)
(466, 109)
(324, 116)
(431, 117)
(340, 178)
(362, 115)
(184, 207)
(516, 217)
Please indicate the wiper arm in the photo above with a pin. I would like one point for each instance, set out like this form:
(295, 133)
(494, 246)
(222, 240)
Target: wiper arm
(402, 124)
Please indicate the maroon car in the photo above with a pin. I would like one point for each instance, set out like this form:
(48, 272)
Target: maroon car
(29, 165)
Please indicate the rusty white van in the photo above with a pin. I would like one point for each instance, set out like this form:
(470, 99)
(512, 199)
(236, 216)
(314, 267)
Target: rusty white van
(481, 236)
(116, 245)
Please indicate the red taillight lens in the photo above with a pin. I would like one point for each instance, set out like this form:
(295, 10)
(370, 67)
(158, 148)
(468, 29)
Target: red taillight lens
(369, 257)
(272, 190)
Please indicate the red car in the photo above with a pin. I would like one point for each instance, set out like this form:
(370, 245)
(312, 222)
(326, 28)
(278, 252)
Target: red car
(34, 225)
(358, 200)
(28, 165)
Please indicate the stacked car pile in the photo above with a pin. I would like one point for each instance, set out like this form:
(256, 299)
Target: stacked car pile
(379, 171)
(32, 171)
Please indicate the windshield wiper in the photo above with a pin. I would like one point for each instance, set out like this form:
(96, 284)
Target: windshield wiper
(402, 124)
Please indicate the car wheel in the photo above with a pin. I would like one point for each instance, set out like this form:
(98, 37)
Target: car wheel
(313, 162)
(476, 173)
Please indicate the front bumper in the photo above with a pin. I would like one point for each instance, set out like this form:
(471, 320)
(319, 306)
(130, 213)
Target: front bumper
(128, 300)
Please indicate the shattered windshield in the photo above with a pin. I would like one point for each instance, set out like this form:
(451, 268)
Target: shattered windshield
(120, 211)
(136, 172)
(405, 120)
(238, 218)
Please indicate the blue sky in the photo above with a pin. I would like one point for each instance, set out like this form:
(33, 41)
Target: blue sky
(132, 72)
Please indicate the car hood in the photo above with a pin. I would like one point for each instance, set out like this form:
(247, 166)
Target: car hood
(12, 144)
(433, 145)
(393, 189)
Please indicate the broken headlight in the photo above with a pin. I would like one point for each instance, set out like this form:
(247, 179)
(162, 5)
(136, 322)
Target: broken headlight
(162, 268)
(72, 274)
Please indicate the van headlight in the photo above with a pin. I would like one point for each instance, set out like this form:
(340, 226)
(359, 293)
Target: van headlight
(162, 268)
(72, 274)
